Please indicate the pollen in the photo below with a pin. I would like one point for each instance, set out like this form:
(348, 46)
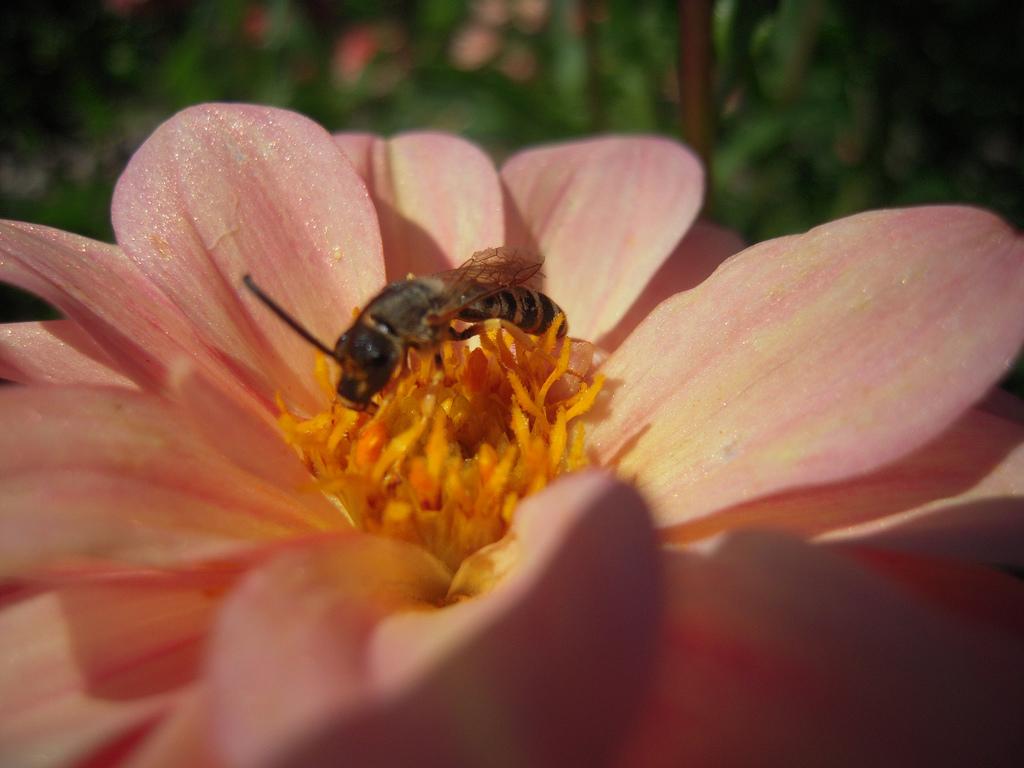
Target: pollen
(457, 439)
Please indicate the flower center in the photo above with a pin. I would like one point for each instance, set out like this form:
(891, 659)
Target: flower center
(451, 447)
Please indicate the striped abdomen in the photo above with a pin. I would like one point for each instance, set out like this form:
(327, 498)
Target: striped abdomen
(528, 309)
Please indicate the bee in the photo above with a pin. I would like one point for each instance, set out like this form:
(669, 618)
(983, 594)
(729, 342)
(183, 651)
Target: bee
(418, 312)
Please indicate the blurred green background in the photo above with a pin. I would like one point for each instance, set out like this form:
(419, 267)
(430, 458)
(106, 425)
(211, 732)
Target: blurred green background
(815, 108)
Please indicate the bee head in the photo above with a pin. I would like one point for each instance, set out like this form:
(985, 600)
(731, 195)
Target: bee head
(368, 358)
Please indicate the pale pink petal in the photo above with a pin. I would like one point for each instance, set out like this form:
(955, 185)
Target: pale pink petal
(111, 473)
(289, 648)
(249, 438)
(358, 148)
(181, 739)
(976, 528)
(437, 196)
(1004, 404)
(55, 352)
(812, 359)
(980, 458)
(220, 191)
(699, 253)
(983, 521)
(978, 594)
(86, 670)
(97, 286)
(514, 673)
(605, 214)
(780, 654)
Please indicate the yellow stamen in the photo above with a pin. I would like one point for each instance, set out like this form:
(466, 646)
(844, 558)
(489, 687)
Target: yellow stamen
(560, 369)
(522, 396)
(577, 453)
(559, 437)
(551, 335)
(584, 399)
(323, 377)
(520, 427)
(453, 447)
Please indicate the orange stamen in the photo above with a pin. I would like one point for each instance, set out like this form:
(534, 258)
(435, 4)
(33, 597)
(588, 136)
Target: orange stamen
(451, 449)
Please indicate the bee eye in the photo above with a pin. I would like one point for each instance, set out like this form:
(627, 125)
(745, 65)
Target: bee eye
(340, 346)
(371, 349)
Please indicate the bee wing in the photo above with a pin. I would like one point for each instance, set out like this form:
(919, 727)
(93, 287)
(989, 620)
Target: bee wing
(486, 272)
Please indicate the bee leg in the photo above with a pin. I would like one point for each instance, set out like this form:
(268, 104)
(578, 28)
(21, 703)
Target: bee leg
(476, 329)
(368, 408)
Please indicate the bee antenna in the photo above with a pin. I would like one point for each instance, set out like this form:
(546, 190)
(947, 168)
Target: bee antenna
(291, 321)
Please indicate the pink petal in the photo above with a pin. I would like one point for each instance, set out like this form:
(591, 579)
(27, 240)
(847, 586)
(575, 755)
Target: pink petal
(359, 149)
(980, 458)
(97, 287)
(219, 191)
(110, 473)
(812, 359)
(250, 439)
(55, 352)
(978, 594)
(542, 671)
(983, 521)
(87, 667)
(181, 739)
(1004, 404)
(781, 654)
(605, 214)
(698, 254)
(290, 644)
(977, 528)
(437, 197)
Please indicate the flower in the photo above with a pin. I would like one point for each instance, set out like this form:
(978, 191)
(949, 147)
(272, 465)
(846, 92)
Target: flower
(179, 590)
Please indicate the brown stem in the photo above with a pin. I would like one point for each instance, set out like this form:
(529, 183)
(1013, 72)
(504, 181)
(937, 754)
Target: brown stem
(698, 118)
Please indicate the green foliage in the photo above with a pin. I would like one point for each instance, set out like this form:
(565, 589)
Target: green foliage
(822, 107)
